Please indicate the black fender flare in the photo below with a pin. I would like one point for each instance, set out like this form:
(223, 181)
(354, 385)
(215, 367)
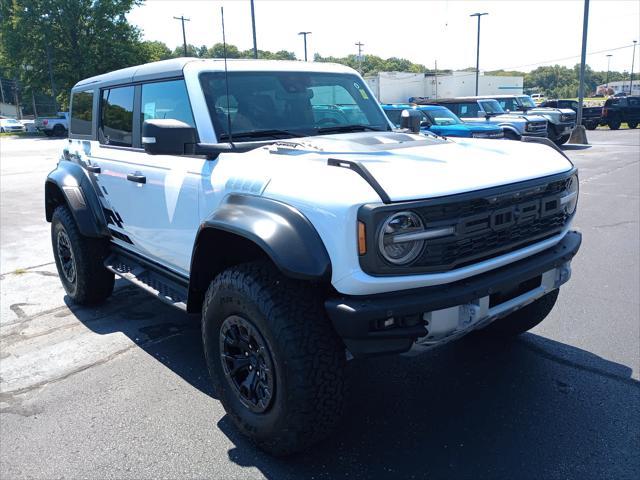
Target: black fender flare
(281, 231)
(70, 183)
(511, 128)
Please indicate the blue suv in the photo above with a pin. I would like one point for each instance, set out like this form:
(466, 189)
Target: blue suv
(442, 121)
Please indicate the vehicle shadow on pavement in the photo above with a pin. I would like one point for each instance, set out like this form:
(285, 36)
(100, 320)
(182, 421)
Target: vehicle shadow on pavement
(477, 408)
(533, 408)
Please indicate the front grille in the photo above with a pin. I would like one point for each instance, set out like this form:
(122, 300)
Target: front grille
(493, 223)
(537, 127)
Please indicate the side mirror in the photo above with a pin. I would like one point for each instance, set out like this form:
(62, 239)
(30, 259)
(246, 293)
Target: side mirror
(162, 136)
(425, 123)
(410, 119)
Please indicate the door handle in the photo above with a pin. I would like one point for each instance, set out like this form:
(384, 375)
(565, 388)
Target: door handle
(136, 177)
(93, 168)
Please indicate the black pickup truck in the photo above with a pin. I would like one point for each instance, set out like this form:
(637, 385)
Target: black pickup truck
(591, 116)
(619, 110)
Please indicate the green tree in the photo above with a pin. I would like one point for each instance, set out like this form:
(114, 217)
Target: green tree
(154, 51)
(83, 38)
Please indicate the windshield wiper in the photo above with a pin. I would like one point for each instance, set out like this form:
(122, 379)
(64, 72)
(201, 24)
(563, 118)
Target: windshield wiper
(262, 133)
(350, 128)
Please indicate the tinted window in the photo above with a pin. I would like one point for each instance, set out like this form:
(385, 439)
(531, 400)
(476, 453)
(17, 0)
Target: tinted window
(469, 109)
(166, 100)
(508, 104)
(81, 113)
(296, 103)
(116, 125)
(633, 102)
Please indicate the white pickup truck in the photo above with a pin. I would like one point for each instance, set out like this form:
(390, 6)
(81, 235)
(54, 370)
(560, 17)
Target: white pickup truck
(54, 126)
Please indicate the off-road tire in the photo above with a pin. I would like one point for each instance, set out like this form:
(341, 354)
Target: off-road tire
(614, 124)
(562, 139)
(524, 319)
(308, 357)
(510, 135)
(591, 125)
(93, 283)
(632, 124)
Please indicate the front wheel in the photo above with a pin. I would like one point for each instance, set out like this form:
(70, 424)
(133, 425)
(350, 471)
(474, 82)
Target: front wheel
(275, 362)
(79, 260)
(511, 135)
(591, 125)
(48, 133)
(523, 319)
(562, 139)
(632, 124)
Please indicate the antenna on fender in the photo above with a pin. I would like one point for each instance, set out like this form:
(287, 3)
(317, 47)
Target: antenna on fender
(226, 78)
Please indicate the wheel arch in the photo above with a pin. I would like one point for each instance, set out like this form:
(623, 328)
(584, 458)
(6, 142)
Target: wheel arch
(247, 228)
(69, 185)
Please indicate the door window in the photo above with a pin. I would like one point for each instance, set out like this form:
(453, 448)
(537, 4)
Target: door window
(116, 122)
(469, 109)
(166, 100)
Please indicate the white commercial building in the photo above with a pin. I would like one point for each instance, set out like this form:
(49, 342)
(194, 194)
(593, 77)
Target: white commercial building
(619, 87)
(398, 87)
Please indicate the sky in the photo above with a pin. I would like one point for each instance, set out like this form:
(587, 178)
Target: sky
(517, 34)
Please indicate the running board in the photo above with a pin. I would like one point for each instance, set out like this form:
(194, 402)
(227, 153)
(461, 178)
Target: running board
(148, 280)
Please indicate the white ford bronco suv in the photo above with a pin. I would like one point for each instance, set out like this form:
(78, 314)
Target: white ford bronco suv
(276, 200)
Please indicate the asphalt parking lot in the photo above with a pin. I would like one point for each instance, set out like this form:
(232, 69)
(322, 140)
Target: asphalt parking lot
(121, 391)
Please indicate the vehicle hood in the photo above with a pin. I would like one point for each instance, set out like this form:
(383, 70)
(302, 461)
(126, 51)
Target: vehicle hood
(479, 128)
(551, 111)
(411, 167)
(453, 130)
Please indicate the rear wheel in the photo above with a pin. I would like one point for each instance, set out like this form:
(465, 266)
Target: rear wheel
(524, 319)
(79, 260)
(48, 133)
(614, 124)
(59, 131)
(632, 124)
(591, 125)
(275, 362)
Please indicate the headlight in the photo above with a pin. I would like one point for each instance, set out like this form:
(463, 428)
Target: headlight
(565, 117)
(570, 199)
(392, 246)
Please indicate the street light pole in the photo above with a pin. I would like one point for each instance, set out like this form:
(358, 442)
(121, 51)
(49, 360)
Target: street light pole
(579, 134)
(478, 48)
(608, 65)
(184, 35)
(253, 27)
(633, 58)
(360, 45)
(304, 34)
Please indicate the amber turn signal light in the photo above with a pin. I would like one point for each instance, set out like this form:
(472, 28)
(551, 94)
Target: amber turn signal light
(362, 239)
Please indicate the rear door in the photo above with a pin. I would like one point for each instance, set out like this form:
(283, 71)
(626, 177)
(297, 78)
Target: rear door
(633, 109)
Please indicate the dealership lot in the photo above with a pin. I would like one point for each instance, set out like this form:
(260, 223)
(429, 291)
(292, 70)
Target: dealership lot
(121, 391)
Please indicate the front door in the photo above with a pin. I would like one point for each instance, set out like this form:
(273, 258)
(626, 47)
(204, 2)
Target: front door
(152, 200)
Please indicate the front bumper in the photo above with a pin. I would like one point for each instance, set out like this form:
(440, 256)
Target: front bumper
(542, 133)
(393, 322)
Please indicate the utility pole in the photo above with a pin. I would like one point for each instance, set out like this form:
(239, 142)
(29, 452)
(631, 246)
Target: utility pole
(478, 48)
(184, 35)
(304, 34)
(253, 26)
(579, 134)
(360, 45)
(1, 91)
(608, 65)
(436, 79)
(633, 58)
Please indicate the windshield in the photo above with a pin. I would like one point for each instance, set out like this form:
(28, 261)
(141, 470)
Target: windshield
(527, 101)
(491, 107)
(442, 117)
(288, 104)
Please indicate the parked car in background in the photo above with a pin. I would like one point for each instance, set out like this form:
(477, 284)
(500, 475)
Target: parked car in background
(442, 121)
(29, 125)
(591, 116)
(538, 97)
(489, 112)
(562, 121)
(10, 125)
(619, 110)
(54, 126)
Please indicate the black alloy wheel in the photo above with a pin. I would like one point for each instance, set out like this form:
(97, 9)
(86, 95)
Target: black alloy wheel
(65, 254)
(247, 364)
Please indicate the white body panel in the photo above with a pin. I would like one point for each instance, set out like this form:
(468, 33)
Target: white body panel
(163, 215)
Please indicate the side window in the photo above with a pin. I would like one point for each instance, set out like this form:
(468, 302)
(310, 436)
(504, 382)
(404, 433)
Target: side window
(469, 109)
(508, 104)
(633, 102)
(81, 113)
(116, 120)
(166, 100)
(453, 107)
